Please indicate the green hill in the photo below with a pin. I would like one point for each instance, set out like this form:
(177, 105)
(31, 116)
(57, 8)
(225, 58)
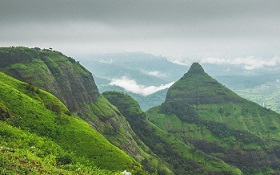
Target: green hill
(36, 111)
(74, 86)
(202, 112)
(179, 155)
(52, 71)
(196, 87)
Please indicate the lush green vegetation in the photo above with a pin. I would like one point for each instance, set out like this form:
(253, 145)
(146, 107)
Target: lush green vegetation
(107, 119)
(28, 109)
(179, 155)
(26, 153)
(74, 86)
(197, 87)
(202, 112)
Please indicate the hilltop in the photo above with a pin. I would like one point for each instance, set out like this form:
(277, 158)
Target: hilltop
(197, 87)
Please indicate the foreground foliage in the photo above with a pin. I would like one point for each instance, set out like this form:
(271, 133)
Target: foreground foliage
(26, 153)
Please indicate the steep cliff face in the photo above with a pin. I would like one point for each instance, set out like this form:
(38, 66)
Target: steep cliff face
(52, 71)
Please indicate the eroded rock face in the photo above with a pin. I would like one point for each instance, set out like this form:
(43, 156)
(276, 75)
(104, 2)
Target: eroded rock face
(60, 75)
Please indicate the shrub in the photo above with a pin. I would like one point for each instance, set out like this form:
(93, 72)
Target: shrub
(54, 107)
(64, 159)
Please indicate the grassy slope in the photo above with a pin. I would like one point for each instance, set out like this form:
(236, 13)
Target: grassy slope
(26, 153)
(164, 144)
(107, 119)
(246, 117)
(28, 111)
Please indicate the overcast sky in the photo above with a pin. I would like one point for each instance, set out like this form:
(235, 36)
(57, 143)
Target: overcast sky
(173, 28)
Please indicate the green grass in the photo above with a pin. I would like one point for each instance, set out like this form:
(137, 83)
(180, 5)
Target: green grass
(29, 112)
(178, 133)
(26, 153)
(244, 116)
(107, 119)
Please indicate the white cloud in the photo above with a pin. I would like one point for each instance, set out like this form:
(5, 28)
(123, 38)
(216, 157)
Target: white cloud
(212, 60)
(154, 73)
(180, 62)
(248, 63)
(132, 86)
(106, 61)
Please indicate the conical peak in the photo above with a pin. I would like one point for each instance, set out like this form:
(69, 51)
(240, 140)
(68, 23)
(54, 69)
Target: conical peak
(197, 87)
(196, 68)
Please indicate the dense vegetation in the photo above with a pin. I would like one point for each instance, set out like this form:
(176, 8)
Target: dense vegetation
(26, 153)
